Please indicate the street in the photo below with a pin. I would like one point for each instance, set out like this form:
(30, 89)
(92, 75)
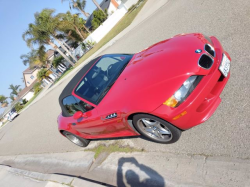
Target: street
(225, 134)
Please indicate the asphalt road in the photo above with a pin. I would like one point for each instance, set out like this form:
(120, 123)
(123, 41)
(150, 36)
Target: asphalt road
(226, 133)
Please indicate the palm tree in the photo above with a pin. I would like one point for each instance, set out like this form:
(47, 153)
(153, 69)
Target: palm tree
(79, 5)
(97, 5)
(42, 30)
(72, 22)
(43, 74)
(14, 89)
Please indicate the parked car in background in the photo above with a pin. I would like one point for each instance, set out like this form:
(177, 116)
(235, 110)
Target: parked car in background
(12, 115)
(61, 67)
(157, 93)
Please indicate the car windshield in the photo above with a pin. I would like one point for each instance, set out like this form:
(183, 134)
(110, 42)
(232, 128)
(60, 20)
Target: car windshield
(97, 82)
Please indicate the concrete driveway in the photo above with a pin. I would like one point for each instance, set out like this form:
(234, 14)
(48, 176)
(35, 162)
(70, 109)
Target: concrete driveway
(226, 133)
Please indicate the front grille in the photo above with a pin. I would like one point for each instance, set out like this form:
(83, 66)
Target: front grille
(210, 50)
(205, 61)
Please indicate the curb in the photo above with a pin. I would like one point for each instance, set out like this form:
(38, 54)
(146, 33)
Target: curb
(138, 169)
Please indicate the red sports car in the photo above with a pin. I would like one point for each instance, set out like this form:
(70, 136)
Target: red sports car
(156, 93)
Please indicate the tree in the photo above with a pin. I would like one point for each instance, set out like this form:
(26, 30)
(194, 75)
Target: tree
(43, 74)
(57, 61)
(43, 31)
(14, 89)
(69, 22)
(99, 18)
(35, 57)
(12, 97)
(79, 5)
(98, 6)
(3, 101)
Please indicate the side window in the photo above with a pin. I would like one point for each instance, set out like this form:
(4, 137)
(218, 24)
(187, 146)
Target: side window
(85, 106)
(73, 104)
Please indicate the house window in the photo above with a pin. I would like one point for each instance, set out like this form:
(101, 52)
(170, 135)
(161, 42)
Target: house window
(32, 77)
(28, 82)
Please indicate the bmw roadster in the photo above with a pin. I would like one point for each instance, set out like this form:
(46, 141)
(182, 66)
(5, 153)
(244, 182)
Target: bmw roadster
(157, 93)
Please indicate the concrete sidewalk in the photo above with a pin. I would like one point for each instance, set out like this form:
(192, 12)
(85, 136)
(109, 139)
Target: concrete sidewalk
(130, 169)
(12, 177)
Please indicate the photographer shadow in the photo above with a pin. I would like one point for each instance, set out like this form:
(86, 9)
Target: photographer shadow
(131, 173)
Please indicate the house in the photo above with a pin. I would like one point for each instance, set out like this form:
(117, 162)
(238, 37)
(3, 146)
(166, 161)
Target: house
(50, 55)
(110, 5)
(27, 93)
(30, 76)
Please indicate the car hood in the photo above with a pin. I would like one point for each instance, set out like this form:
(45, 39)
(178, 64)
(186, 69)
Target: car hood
(156, 73)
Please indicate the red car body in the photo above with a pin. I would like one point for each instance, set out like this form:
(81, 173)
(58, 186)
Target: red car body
(150, 78)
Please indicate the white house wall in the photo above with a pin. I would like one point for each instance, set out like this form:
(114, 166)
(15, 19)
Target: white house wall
(111, 9)
(28, 96)
(106, 26)
(129, 3)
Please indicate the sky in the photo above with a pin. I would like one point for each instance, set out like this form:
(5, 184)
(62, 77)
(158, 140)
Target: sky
(14, 19)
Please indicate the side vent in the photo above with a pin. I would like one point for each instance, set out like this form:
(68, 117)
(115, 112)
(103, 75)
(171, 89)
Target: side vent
(210, 50)
(114, 115)
(205, 61)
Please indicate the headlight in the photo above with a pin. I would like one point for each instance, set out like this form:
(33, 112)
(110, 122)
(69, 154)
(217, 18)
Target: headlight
(184, 91)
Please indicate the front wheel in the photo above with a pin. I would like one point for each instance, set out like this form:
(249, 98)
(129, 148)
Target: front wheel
(156, 129)
(76, 139)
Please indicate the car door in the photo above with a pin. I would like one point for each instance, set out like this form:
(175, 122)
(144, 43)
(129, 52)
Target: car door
(90, 116)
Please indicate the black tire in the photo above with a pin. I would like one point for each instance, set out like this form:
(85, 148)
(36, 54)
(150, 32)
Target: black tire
(76, 139)
(156, 129)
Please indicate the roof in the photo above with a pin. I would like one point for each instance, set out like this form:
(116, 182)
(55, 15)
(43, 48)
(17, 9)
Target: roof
(26, 90)
(71, 85)
(104, 5)
(50, 53)
(29, 70)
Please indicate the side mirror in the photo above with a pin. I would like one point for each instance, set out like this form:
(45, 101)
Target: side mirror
(78, 115)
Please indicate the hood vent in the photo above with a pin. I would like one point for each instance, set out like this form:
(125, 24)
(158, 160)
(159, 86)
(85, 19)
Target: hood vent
(205, 61)
(210, 50)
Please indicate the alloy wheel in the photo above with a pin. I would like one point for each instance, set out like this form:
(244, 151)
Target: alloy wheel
(154, 129)
(74, 139)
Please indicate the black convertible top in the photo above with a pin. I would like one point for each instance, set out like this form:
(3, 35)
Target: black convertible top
(71, 85)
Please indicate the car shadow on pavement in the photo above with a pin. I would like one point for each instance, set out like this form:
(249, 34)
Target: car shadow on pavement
(131, 173)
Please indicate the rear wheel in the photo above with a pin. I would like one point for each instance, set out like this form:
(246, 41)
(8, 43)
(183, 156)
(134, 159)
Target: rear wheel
(76, 139)
(156, 129)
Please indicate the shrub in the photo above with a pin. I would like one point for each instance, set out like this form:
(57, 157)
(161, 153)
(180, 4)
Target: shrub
(25, 101)
(99, 18)
(18, 107)
(37, 87)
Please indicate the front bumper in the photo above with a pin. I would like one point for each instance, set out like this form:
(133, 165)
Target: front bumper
(203, 101)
